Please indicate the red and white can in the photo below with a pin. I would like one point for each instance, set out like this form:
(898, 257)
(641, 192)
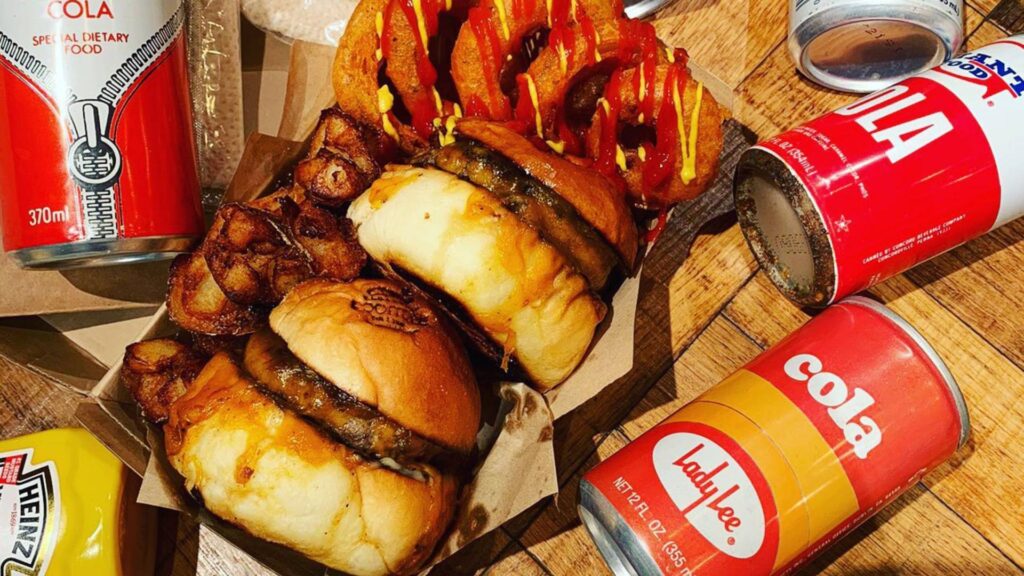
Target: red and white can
(896, 178)
(97, 154)
(782, 458)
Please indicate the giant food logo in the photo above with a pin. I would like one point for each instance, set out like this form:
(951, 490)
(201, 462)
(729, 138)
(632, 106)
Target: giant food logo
(712, 491)
(989, 72)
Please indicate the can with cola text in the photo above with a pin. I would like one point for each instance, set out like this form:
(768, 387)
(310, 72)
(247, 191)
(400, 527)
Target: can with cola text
(874, 188)
(97, 150)
(782, 458)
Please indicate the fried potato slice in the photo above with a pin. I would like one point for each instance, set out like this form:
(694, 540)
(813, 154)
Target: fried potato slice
(157, 373)
(330, 241)
(196, 303)
(272, 202)
(252, 257)
(366, 146)
(331, 179)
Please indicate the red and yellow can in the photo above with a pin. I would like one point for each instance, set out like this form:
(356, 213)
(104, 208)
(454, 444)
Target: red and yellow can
(785, 456)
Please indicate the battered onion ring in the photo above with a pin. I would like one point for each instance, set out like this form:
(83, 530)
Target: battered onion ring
(360, 58)
(709, 141)
(617, 46)
(477, 69)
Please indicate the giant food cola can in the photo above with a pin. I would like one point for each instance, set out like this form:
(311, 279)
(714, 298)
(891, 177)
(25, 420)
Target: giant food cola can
(97, 156)
(782, 458)
(896, 178)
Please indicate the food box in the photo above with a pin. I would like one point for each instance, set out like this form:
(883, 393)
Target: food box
(516, 440)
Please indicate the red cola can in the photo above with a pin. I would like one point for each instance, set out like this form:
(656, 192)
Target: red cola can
(782, 458)
(900, 176)
(97, 154)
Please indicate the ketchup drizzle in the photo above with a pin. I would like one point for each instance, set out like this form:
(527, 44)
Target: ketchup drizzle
(421, 106)
(490, 53)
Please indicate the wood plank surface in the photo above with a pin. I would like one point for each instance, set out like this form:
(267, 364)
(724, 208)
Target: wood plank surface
(701, 321)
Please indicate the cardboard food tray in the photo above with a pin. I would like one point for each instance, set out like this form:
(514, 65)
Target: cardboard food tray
(515, 443)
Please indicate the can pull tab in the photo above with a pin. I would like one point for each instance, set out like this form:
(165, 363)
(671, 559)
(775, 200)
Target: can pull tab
(92, 126)
(94, 162)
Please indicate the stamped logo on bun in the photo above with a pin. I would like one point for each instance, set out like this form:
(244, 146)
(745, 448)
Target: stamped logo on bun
(391, 308)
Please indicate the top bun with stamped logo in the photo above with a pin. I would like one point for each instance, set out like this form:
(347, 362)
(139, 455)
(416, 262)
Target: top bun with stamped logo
(342, 431)
(388, 349)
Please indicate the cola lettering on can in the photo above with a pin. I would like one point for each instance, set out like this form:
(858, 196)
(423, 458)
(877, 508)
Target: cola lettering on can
(782, 458)
(860, 46)
(898, 177)
(97, 155)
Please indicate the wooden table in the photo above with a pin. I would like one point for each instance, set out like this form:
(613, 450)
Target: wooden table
(702, 321)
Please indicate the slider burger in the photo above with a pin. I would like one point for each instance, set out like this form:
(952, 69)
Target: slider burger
(518, 243)
(341, 432)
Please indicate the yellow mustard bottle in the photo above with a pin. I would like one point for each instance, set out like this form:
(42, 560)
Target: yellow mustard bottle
(66, 504)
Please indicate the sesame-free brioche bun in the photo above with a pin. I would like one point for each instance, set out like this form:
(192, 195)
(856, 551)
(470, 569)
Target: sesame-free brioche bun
(387, 348)
(596, 199)
(457, 238)
(267, 470)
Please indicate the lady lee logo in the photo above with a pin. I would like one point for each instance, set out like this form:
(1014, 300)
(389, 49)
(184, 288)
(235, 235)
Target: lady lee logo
(712, 491)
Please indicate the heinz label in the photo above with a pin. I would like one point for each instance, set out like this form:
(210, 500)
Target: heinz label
(918, 168)
(30, 513)
(95, 122)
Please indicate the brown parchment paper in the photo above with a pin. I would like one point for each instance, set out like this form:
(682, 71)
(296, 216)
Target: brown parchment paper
(517, 444)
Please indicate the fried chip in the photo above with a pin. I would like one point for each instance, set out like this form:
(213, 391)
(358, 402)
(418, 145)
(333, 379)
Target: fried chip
(252, 257)
(329, 240)
(157, 372)
(196, 303)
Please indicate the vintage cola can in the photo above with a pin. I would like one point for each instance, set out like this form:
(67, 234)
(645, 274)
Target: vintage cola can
(782, 458)
(900, 176)
(97, 156)
(865, 45)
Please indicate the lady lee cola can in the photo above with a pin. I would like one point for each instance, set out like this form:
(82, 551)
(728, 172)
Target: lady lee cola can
(861, 46)
(97, 156)
(896, 178)
(782, 458)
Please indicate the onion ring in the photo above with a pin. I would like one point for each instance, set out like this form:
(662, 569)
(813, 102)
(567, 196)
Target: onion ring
(387, 45)
(667, 166)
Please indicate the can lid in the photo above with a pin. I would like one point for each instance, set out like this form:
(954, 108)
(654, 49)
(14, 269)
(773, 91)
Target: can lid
(864, 47)
(785, 228)
(933, 356)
